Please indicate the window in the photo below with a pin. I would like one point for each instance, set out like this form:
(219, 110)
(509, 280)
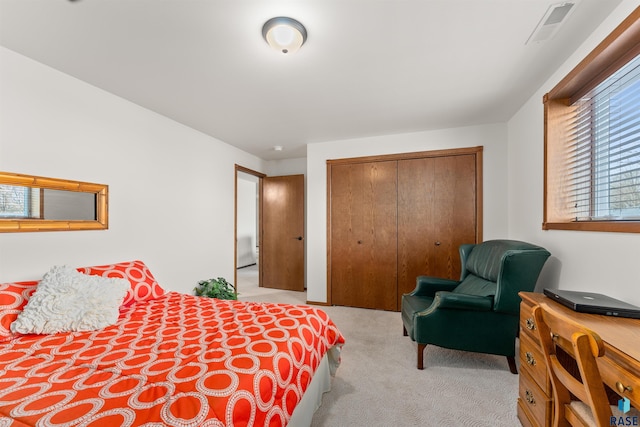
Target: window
(592, 139)
(18, 202)
(605, 156)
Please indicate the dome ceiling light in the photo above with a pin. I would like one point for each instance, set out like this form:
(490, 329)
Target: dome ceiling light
(284, 34)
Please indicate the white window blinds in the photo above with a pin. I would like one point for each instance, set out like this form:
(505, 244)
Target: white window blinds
(604, 149)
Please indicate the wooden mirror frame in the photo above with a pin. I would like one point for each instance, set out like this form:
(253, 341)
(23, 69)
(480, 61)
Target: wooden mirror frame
(8, 225)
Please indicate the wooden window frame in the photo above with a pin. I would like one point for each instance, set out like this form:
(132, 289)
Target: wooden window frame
(618, 48)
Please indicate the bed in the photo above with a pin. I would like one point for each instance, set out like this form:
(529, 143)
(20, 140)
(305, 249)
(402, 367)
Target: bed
(169, 359)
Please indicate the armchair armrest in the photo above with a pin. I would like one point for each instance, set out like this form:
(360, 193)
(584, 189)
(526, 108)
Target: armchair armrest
(427, 286)
(451, 300)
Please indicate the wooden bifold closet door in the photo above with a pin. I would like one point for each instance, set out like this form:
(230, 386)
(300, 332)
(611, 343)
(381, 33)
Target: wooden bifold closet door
(436, 214)
(393, 218)
(363, 257)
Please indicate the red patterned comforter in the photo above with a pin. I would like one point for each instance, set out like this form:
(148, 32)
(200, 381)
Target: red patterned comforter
(175, 360)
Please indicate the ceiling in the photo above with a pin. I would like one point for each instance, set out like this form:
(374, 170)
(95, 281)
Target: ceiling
(369, 67)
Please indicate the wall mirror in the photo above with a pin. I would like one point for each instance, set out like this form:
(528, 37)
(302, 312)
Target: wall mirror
(35, 203)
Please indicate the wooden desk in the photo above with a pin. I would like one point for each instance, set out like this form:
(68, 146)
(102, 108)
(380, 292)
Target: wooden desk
(619, 367)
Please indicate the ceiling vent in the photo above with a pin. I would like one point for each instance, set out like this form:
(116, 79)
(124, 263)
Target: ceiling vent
(551, 22)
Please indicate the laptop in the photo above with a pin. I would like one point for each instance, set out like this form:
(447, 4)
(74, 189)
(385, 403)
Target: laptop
(587, 302)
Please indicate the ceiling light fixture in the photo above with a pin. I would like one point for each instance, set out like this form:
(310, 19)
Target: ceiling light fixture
(284, 34)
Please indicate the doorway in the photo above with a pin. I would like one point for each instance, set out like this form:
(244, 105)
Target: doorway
(269, 232)
(248, 185)
(282, 245)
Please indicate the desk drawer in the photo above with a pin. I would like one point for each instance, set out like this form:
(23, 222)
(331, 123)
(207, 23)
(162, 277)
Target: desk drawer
(536, 403)
(620, 380)
(524, 415)
(527, 324)
(532, 360)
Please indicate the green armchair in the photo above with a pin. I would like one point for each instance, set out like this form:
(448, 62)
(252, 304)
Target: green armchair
(480, 312)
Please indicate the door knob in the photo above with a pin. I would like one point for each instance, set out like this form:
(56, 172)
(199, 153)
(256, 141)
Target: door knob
(437, 243)
(299, 238)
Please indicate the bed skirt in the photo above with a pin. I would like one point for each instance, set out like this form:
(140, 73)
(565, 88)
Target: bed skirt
(320, 384)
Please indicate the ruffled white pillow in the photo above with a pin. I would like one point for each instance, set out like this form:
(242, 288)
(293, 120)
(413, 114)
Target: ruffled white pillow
(66, 300)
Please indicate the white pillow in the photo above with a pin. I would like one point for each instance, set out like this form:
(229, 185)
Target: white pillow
(66, 300)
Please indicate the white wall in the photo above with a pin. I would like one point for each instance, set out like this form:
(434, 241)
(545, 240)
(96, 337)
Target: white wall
(590, 261)
(492, 137)
(287, 167)
(169, 185)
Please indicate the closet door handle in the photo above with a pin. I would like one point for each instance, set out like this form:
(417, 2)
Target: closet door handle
(437, 243)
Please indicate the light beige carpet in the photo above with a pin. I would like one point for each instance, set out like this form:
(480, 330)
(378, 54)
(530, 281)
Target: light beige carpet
(378, 384)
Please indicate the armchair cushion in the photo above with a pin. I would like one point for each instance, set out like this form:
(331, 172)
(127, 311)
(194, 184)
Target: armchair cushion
(474, 285)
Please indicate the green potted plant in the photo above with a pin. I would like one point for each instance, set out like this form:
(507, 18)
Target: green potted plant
(216, 288)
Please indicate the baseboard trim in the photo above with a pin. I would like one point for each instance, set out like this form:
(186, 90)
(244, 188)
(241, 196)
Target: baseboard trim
(318, 303)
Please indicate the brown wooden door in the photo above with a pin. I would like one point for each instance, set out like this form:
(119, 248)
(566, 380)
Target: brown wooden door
(436, 214)
(363, 235)
(282, 241)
